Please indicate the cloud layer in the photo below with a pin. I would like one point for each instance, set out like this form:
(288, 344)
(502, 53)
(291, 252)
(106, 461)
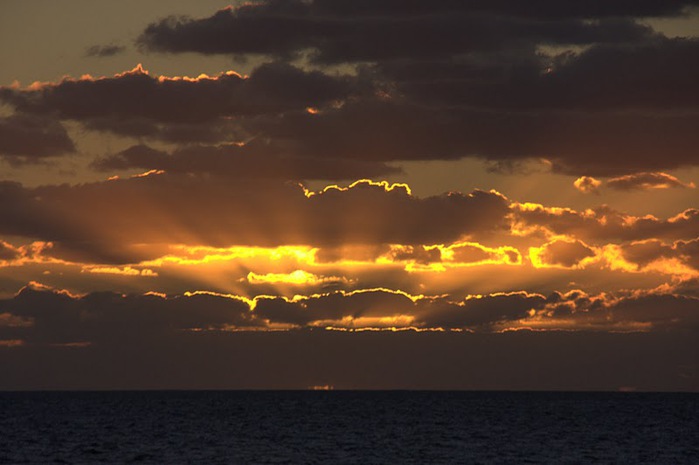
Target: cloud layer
(592, 89)
(38, 316)
(153, 209)
(29, 139)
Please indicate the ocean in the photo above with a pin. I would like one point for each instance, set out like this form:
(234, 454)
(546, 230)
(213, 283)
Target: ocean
(348, 427)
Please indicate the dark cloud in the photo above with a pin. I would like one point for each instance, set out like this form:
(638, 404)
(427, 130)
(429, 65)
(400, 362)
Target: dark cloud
(645, 252)
(651, 309)
(574, 310)
(207, 132)
(689, 252)
(688, 287)
(122, 340)
(364, 32)
(184, 110)
(444, 80)
(550, 9)
(608, 110)
(135, 95)
(366, 308)
(655, 74)
(565, 253)
(576, 143)
(102, 219)
(643, 181)
(55, 317)
(104, 50)
(335, 307)
(469, 79)
(249, 161)
(107, 317)
(482, 312)
(642, 311)
(27, 139)
(358, 215)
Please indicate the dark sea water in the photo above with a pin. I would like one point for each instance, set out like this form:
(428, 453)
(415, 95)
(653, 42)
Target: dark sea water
(394, 427)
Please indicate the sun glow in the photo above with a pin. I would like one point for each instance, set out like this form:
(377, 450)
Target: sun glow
(298, 277)
(198, 255)
(387, 187)
(116, 270)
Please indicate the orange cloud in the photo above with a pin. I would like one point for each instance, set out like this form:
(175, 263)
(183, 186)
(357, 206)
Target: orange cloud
(116, 270)
(298, 277)
(34, 252)
(199, 254)
(460, 254)
(646, 181)
(392, 322)
(654, 256)
(587, 184)
(599, 224)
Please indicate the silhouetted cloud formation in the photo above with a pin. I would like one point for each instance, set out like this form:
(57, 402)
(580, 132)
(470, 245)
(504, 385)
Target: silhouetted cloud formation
(590, 88)
(338, 32)
(249, 212)
(605, 223)
(38, 315)
(471, 79)
(271, 88)
(646, 252)
(45, 316)
(564, 253)
(28, 139)
(643, 181)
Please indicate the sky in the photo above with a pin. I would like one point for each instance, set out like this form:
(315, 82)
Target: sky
(364, 194)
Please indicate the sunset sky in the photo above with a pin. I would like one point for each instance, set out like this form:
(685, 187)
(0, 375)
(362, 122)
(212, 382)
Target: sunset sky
(441, 194)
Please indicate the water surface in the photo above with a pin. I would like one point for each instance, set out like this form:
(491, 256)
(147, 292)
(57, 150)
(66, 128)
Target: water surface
(351, 427)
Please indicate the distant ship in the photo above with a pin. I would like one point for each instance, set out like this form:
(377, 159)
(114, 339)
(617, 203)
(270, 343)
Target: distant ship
(323, 387)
